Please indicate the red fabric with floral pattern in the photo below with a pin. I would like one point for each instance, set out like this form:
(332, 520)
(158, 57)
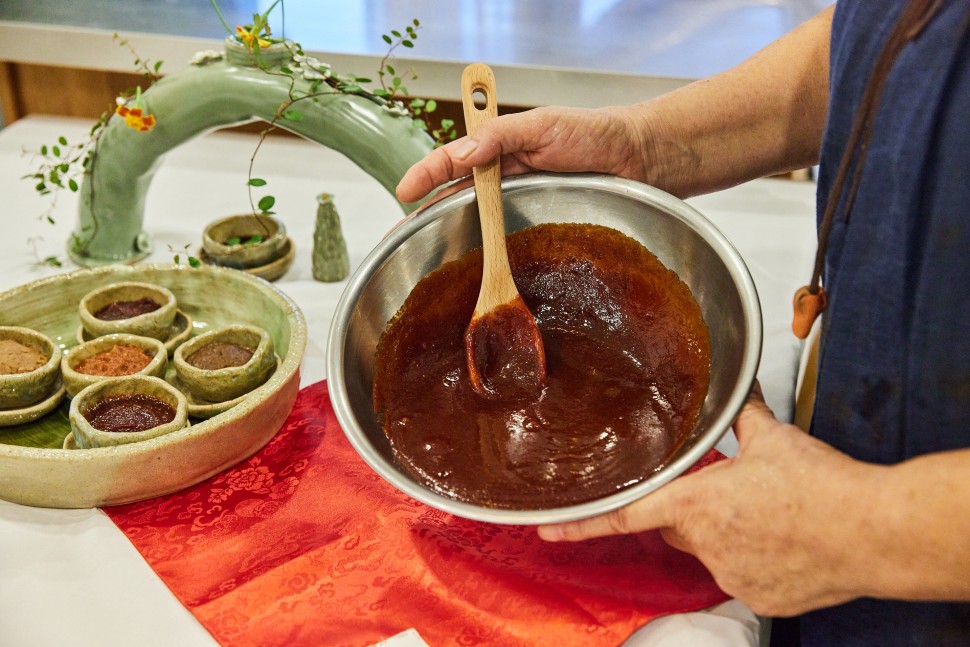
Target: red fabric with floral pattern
(303, 544)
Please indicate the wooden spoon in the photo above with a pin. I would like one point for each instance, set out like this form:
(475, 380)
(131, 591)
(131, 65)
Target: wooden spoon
(503, 347)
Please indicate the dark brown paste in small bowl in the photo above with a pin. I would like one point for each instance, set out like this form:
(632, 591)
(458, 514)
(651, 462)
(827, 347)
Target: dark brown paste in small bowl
(129, 413)
(118, 310)
(628, 360)
(218, 354)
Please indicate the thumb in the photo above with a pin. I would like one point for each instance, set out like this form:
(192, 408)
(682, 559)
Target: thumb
(656, 510)
(755, 416)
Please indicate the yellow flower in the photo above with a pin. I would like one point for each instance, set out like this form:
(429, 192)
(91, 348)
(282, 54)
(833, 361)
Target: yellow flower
(135, 118)
(247, 38)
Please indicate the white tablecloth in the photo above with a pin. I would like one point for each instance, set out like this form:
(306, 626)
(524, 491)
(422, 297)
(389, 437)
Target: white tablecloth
(70, 577)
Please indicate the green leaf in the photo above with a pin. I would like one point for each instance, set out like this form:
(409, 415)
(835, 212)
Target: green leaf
(432, 105)
(194, 262)
(158, 66)
(447, 123)
(293, 115)
(53, 261)
(43, 150)
(256, 182)
(72, 185)
(387, 39)
(382, 93)
(407, 43)
(50, 219)
(396, 33)
(62, 141)
(361, 79)
(286, 70)
(353, 87)
(390, 69)
(418, 103)
(266, 203)
(235, 240)
(255, 239)
(176, 259)
(65, 167)
(57, 151)
(416, 23)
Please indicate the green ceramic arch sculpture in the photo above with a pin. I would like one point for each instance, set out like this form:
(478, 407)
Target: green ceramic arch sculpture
(214, 92)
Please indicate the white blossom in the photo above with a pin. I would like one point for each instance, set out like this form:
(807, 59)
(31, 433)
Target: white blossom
(206, 56)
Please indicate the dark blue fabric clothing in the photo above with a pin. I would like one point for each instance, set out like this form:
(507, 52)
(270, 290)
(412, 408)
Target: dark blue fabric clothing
(894, 368)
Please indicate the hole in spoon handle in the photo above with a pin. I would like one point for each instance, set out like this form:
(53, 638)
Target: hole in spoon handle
(478, 79)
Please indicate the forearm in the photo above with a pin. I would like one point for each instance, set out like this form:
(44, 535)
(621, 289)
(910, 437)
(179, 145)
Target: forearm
(917, 538)
(762, 117)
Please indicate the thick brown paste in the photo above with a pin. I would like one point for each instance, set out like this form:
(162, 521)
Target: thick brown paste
(220, 354)
(628, 360)
(128, 413)
(118, 310)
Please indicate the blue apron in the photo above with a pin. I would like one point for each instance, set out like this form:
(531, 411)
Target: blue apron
(894, 368)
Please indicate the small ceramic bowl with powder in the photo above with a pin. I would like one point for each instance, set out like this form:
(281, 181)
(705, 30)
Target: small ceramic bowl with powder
(125, 410)
(224, 364)
(29, 367)
(130, 307)
(111, 356)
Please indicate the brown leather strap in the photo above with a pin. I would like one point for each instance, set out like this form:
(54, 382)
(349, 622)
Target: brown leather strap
(810, 300)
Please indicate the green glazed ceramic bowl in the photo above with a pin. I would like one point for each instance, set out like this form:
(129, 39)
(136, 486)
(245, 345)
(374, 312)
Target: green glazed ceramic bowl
(76, 381)
(36, 470)
(242, 256)
(219, 385)
(87, 435)
(157, 324)
(20, 390)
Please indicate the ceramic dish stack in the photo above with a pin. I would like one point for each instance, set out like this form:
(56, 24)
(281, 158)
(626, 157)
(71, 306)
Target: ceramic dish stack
(30, 380)
(255, 244)
(42, 459)
(169, 324)
(213, 388)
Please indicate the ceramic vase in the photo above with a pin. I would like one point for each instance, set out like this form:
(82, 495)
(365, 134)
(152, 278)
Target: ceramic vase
(330, 260)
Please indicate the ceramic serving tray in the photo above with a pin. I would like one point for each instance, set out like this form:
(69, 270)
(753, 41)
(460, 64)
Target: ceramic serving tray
(34, 470)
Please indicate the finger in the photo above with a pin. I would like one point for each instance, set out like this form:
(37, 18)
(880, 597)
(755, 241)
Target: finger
(652, 511)
(438, 167)
(755, 415)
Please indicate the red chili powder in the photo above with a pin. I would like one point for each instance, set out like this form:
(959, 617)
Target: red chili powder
(122, 359)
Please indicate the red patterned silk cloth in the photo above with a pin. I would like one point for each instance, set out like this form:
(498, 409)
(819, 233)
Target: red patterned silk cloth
(304, 545)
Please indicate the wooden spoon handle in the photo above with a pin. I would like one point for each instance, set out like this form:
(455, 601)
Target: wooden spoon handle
(497, 284)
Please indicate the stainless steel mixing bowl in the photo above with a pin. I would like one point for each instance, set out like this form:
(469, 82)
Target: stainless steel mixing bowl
(682, 239)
